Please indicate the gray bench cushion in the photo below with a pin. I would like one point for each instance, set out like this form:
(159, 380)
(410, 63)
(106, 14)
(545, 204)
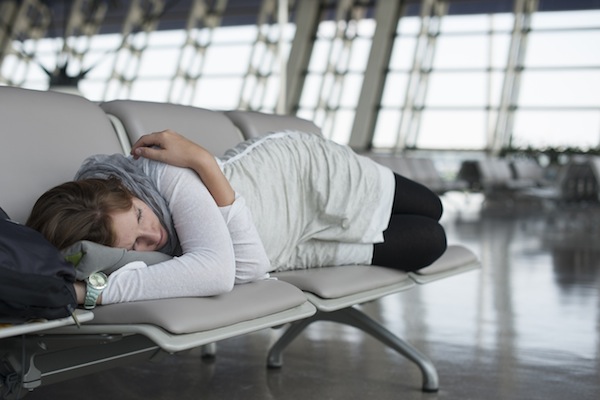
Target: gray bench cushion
(341, 281)
(186, 315)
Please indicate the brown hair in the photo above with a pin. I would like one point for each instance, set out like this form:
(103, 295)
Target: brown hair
(79, 210)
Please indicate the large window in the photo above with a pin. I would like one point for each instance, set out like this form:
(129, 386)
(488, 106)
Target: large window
(447, 97)
(335, 75)
(559, 102)
(222, 68)
(459, 83)
(459, 92)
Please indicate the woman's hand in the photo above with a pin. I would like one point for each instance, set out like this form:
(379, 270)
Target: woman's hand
(170, 147)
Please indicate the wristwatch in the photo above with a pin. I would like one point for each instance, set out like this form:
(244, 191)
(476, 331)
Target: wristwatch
(95, 284)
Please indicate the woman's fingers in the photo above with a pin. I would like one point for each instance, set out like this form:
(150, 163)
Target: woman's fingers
(167, 146)
(147, 152)
(151, 139)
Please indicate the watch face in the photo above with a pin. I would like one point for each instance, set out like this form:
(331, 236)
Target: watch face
(97, 280)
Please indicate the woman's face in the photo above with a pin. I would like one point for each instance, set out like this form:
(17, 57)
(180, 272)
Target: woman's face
(138, 228)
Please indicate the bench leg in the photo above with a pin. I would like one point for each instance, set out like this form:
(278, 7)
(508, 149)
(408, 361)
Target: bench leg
(209, 350)
(275, 357)
(356, 318)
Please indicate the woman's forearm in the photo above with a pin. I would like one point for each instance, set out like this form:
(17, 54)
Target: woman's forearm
(209, 172)
(80, 290)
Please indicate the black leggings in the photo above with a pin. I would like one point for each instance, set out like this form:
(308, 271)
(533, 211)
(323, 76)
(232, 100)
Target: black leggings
(414, 238)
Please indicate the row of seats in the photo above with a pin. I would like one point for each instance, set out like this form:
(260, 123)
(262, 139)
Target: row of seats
(419, 169)
(51, 134)
(576, 181)
(490, 175)
(500, 177)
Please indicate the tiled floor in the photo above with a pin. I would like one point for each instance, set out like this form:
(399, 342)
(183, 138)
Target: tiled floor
(526, 326)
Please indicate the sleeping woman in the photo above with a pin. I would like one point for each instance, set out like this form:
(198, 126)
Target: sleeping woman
(287, 200)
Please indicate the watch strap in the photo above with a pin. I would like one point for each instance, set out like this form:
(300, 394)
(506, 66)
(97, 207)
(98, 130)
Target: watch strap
(91, 296)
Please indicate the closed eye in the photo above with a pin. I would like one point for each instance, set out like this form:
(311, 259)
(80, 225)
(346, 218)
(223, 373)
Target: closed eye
(139, 219)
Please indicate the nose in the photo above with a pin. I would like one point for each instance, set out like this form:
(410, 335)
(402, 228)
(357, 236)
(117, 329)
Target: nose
(148, 241)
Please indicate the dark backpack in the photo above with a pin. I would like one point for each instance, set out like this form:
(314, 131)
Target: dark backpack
(35, 280)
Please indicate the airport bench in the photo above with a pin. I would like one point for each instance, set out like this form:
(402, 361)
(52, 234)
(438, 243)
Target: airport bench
(46, 150)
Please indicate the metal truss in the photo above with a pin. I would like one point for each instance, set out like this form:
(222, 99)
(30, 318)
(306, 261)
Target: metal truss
(266, 58)
(142, 19)
(84, 22)
(346, 15)
(25, 23)
(432, 12)
(20, 21)
(523, 12)
(200, 27)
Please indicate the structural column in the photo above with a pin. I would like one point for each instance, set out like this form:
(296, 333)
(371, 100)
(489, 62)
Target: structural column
(387, 14)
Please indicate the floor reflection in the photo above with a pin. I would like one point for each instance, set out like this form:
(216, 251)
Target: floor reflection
(525, 326)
